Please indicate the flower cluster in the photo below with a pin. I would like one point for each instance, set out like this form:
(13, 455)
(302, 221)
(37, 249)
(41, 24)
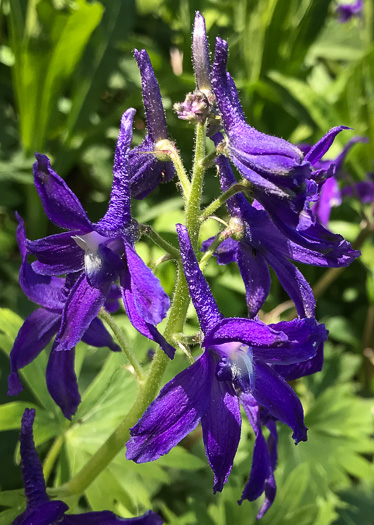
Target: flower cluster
(274, 222)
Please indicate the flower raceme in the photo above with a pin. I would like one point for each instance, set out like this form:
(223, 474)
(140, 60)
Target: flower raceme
(98, 253)
(40, 510)
(237, 366)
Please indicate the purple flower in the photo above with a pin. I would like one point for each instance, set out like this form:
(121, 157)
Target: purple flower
(276, 168)
(238, 360)
(40, 510)
(40, 327)
(262, 244)
(329, 194)
(98, 254)
(146, 171)
(348, 11)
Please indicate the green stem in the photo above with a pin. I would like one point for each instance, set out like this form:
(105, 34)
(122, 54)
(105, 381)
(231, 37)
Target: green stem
(160, 241)
(120, 336)
(52, 456)
(181, 172)
(209, 160)
(194, 197)
(222, 199)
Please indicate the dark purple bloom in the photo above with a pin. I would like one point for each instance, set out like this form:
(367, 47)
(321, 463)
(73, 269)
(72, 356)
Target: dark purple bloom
(40, 327)
(348, 11)
(40, 510)
(239, 359)
(146, 171)
(277, 169)
(262, 244)
(98, 253)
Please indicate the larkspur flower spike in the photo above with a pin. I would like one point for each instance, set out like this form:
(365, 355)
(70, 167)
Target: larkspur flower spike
(40, 510)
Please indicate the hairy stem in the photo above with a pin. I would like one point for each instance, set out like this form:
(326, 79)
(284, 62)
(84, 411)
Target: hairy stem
(160, 241)
(222, 199)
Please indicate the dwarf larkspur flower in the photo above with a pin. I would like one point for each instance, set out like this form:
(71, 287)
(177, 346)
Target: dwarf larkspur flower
(40, 510)
(348, 11)
(146, 171)
(104, 251)
(238, 359)
(40, 327)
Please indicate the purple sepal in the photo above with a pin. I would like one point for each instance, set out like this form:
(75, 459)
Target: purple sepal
(34, 335)
(138, 321)
(60, 204)
(317, 151)
(41, 289)
(45, 514)
(62, 382)
(202, 298)
(82, 306)
(150, 299)
(306, 368)
(330, 196)
(119, 209)
(221, 425)
(274, 393)
(56, 254)
(102, 268)
(109, 518)
(147, 172)
(264, 460)
(175, 412)
(112, 301)
(226, 251)
(97, 335)
(154, 111)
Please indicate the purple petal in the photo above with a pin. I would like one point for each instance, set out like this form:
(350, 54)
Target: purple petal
(60, 204)
(363, 190)
(174, 413)
(138, 321)
(295, 284)
(56, 254)
(248, 331)
(150, 299)
(109, 518)
(146, 171)
(261, 467)
(112, 299)
(306, 368)
(119, 209)
(154, 111)
(330, 196)
(202, 298)
(256, 277)
(34, 335)
(62, 382)
(226, 251)
(45, 514)
(43, 290)
(32, 471)
(97, 335)
(272, 392)
(82, 306)
(221, 431)
(319, 149)
(102, 268)
(200, 53)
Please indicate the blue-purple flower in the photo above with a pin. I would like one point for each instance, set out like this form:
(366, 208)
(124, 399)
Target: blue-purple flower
(40, 510)
(280, 175)
(146, 171)
(261, 244)
(239, 359)
(41, 325)
(97, 254)
(348, 11)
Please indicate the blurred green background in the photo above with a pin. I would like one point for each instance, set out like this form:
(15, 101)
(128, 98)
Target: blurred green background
(66, 75)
